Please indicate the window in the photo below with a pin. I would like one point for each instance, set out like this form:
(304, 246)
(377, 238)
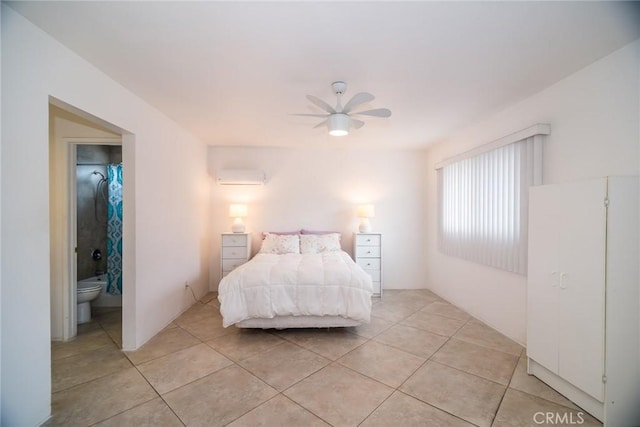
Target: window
(483, 200)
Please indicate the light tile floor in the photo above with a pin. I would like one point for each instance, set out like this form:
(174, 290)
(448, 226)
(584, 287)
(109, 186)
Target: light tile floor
(420, 362)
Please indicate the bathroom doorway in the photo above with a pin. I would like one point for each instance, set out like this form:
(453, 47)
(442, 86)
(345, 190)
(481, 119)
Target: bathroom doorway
(98, 179)
(79, 146)
(95, 236)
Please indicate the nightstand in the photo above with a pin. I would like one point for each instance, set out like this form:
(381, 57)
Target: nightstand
(235, 250)
(367, 253)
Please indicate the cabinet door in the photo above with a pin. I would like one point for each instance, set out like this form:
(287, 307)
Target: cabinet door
(543, 276)
(582, 284)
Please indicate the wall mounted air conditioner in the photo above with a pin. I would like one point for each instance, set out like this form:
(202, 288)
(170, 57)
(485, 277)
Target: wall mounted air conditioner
(240, 177)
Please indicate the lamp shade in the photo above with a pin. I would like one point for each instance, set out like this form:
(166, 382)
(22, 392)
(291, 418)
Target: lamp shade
(237, 211)
(365, 211)
(338, 124)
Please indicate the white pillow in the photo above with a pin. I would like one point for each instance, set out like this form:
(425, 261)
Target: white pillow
(317, 243)
(280, 244)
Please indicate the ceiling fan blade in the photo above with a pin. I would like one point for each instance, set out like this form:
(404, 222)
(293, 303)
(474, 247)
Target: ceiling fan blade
(358, 98)
(320, 103)
(356, 124)
(309, 115)
(322, 123)
(378, 112)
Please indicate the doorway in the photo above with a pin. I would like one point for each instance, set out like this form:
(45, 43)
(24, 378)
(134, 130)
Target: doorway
(98, 228)
(73, 137)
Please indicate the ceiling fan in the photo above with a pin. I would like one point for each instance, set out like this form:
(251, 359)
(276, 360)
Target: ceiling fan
(341, 118)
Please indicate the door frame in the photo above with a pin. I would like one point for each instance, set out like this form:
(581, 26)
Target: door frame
(70, 265)
(60, 247)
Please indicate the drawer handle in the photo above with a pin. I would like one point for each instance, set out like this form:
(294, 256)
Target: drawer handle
(368, 252)
(368, 240)
(563, 284)
(368, 264)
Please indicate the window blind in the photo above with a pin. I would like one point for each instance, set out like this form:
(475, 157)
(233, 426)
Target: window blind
(483, 204)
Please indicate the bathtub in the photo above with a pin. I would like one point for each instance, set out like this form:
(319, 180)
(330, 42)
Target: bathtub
(105, 299)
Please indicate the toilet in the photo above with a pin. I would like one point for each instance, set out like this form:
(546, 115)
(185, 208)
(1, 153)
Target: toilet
(88, 290)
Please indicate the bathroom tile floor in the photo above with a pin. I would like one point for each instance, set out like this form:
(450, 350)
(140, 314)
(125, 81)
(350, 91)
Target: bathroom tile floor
(420, 362)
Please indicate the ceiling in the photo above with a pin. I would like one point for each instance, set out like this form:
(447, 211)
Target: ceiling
(233, 72)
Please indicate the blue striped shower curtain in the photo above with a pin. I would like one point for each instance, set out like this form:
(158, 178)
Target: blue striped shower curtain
(114, 230)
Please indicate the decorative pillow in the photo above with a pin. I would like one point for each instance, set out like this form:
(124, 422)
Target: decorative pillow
(317, 243)
(280, 244)
(303, 231)
(280, 233)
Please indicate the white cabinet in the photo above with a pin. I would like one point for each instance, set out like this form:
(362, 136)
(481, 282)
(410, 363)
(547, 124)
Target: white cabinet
(583, 329)
(235, 250)
(367, 252)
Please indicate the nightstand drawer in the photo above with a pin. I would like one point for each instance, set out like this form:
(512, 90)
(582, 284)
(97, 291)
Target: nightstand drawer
(369, 263)
(233, 240)
(234, 252)
(230, 264)
(368, 240)
(368, 251)
(375, 275)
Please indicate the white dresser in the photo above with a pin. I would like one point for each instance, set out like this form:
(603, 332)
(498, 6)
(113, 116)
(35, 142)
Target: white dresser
(367, 253)
(235, 250)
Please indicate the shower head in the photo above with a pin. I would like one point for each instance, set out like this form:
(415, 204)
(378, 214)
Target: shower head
(98, 173)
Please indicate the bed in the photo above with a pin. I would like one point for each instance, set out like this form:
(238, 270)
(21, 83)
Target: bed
(297, 281)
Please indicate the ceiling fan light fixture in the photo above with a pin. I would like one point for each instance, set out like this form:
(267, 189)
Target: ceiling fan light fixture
(338, 124)
(340, 119)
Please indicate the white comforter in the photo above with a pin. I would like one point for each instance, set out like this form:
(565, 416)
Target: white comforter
(324, 284)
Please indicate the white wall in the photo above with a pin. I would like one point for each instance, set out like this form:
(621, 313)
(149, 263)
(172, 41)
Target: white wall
(166, 208)
(594, 132)
(319, 189)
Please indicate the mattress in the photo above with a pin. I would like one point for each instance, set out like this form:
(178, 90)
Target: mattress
(295, 286)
